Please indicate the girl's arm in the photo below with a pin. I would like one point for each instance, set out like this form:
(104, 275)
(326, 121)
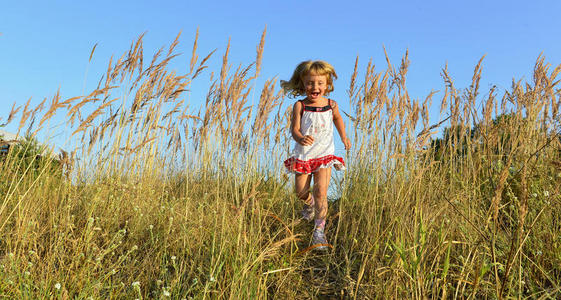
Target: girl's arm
(304, 140)
(340, 125)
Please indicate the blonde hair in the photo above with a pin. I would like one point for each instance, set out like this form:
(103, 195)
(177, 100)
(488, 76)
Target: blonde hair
(295, 86)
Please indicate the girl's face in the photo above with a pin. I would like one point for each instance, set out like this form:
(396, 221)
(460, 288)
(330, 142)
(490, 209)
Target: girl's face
(315, 86)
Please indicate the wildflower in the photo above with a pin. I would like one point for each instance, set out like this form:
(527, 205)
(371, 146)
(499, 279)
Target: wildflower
(57, 286)
(136, 284)
(212, 279)
(546, 193)
(534, 195)
(166, 292)
(151, 226)
(173, 257)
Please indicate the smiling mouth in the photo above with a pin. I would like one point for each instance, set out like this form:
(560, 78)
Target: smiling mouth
(315, 94)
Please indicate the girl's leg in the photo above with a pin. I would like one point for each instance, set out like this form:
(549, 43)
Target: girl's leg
(321, 183)
(302, 187)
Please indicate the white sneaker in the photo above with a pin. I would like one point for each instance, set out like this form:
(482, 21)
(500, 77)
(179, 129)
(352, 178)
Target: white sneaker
(308, 211)
(318, 238)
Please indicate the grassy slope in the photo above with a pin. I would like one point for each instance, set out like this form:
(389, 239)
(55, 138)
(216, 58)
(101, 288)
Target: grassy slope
(168, 214)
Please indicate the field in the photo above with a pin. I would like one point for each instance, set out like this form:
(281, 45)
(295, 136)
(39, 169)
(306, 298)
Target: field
(156, 200)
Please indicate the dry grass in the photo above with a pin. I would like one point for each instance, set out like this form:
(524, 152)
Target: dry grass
(159, 200)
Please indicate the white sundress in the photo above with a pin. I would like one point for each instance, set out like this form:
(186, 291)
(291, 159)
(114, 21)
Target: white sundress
(317, 122)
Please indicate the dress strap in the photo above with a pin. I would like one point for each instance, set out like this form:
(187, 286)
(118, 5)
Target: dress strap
(315, 108)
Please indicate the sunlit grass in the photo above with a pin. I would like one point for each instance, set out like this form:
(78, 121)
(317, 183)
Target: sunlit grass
(158, 200)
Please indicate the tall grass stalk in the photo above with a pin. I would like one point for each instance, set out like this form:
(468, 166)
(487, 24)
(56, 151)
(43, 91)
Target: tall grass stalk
(158, 200)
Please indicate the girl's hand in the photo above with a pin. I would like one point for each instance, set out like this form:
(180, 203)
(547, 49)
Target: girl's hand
(306, 140)
(347, 143)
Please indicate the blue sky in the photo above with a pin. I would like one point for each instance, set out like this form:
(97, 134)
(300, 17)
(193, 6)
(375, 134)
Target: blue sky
(45, 45)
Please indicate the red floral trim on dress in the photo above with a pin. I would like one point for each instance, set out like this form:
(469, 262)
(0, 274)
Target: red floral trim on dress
(295, 165)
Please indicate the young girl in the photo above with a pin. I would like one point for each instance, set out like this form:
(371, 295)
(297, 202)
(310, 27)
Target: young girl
(312, 129)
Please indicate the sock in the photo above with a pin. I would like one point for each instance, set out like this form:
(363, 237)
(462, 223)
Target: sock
(320, 223)
(310, 201)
